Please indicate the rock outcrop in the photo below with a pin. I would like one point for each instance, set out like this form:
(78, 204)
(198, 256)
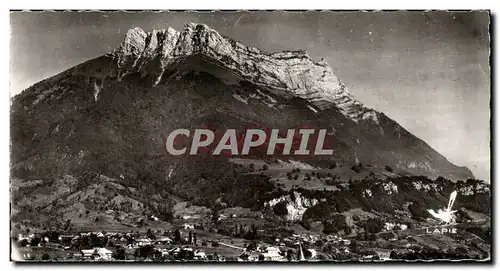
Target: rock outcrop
(288, 72)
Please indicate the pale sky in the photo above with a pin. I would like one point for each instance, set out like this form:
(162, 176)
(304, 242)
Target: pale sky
(428, 71)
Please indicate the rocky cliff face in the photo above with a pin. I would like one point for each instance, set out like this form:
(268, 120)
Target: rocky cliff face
(284, 73)
(296, 205)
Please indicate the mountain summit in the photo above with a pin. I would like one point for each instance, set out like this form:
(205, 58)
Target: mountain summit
(286, 72)
(112, 114)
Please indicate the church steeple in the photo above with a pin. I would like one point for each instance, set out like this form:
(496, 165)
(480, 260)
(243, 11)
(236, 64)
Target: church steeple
(301, 255)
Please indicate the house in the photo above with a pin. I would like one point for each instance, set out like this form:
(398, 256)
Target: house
(273, 254)
(65, 239)
(174, 251)
(200, 254)
(384, 255)
(222, 217)
(388, 226)
(25, 237)
(98, 253)
(88, 253)
(164, 240)
(367, 257)
(143, 242)
(188, 226)
(104, 253)
(249, 256)
(313, 253)
(164, 252)
(75, 238)
(411, 239)
(390, 236)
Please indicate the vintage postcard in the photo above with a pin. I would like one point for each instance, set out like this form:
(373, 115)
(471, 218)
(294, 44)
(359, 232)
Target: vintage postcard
(238, 136)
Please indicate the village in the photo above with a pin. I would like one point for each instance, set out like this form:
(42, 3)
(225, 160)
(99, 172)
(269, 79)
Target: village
(220, 239)
(183, 244)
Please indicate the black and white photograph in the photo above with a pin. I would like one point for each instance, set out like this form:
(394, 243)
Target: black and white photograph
(250, 136)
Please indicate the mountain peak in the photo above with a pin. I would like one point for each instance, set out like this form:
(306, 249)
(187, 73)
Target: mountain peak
(171, 73)
(286, 72)
(134, 41)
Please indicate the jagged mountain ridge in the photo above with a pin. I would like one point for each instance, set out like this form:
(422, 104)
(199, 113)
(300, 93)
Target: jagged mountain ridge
(290, 71)
(154, 60)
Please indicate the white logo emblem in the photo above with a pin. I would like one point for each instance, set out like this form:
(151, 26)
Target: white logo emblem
(447, 215)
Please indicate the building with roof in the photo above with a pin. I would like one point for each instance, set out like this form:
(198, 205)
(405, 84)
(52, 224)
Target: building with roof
(273, 254)
(98, 253)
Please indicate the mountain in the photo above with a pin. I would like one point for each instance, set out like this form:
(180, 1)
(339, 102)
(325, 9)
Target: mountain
(88, 154)
(115, 110)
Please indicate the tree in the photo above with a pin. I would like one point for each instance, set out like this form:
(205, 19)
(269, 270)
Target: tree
(417, 210)
(373, 225)
(252, 246)
(329, 228)
(95, 241)
(306, 224)
(340, 221)
(177, 236)
(388, 168)
(280, 209)
(120, 254)
(45, 257)
(356, 168)
(145, 251)
(289, 255)
(35, 241)
(318, 211)
(23, 243)
(186, 254)
(150, 234)
(252, 233)
(67, 226)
